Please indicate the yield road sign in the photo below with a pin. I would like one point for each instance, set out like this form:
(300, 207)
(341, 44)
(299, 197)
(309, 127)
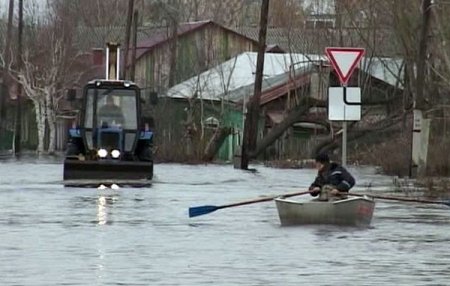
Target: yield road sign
(344, 61)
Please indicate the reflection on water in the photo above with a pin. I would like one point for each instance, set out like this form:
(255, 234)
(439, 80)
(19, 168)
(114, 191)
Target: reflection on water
(101, 210)
(51, 235)
(104, 205)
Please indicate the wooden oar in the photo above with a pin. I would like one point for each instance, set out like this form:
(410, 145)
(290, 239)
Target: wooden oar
(197, 211)
(447, 203)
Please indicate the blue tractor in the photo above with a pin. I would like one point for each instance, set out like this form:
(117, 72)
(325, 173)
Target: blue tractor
(112, 143)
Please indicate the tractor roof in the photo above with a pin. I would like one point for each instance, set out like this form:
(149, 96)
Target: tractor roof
(118, 83)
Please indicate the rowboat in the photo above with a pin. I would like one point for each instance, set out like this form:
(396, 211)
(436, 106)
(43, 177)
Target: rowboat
(353, 211)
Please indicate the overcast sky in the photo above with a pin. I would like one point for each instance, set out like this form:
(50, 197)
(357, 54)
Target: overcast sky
(5, 3)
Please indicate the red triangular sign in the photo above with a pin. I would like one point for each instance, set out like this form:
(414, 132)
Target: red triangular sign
(344, 61)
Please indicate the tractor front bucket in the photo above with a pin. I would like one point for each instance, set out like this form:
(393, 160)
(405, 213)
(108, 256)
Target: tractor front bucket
(107, 172)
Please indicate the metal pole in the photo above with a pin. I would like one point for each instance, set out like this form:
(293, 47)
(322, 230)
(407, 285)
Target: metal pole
(344, 134)
(344, 143)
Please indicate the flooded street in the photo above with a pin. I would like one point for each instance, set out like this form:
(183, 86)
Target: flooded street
(51, 235)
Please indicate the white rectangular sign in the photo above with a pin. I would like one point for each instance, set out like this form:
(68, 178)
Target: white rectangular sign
(344, 105)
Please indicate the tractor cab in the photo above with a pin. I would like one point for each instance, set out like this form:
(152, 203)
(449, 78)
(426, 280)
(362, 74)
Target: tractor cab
(111, 143)
(110, 120)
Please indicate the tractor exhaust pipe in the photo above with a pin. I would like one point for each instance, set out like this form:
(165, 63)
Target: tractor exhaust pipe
(112, 71)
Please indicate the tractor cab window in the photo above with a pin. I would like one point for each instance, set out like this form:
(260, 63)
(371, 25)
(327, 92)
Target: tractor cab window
(116, 108)
(109, 112)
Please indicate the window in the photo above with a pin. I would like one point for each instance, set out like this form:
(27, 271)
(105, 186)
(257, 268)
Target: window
(115, 108)
(212, 122)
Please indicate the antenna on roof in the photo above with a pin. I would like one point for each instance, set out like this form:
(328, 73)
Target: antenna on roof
(112, 61)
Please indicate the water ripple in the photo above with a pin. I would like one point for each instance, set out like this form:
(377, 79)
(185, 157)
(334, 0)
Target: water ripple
(51, 235)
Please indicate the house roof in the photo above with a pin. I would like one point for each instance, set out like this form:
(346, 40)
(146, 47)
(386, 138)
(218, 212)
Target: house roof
(163, 36)
(234, 79)
(88, 38)
(147, 37)
(275, 49)
(276, 91)
(389, 70)
(313, 41)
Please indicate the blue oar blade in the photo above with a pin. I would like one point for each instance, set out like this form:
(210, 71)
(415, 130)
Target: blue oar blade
(196, 211)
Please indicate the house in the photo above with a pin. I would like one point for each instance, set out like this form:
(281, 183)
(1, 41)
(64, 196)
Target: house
(287, 77)
(224, 89)
(7, 124)
(200, 45)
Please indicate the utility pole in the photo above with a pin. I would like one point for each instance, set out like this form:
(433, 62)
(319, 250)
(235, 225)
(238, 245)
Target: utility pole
(421, 125)
(173, 22)
(18, 119)
(6, 78)
(252, 116)
(127, 36)
(422, 55)
(133, 51)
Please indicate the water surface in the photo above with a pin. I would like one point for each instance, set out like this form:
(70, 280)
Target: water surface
(51, 235)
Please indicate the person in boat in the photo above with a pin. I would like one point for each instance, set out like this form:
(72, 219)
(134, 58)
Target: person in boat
(333, 181)
(110, 114)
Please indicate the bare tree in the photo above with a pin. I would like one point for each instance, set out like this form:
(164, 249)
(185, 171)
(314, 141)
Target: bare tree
(49, 68)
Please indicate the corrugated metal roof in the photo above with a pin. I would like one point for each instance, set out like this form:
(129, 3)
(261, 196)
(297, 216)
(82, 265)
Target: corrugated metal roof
(388, 70)
(313, 41)
(234, 79)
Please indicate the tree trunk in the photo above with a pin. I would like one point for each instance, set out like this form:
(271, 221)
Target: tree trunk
(215, 142)
(305, 104)
(252, 118)
(40, 124)
(51, 120)
(18, 115)
(330, 144)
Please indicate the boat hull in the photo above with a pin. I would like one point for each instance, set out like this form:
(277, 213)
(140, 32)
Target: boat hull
(354, 211)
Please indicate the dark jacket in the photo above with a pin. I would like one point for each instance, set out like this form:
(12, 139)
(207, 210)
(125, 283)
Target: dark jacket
(110, 113)
(336, 175)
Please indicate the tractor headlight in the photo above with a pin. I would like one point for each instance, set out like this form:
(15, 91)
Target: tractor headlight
(115, 154)
(102, 153)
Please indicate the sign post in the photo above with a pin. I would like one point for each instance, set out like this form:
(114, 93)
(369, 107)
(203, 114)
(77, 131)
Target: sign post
(344, 104)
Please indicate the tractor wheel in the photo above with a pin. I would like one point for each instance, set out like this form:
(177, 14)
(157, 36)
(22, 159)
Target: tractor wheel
(72, 150)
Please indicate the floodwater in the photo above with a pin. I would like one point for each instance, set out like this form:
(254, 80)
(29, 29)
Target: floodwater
(51, 235)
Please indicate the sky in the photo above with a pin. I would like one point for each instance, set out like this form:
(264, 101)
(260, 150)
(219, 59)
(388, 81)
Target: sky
(320, 6)
(4, 5)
